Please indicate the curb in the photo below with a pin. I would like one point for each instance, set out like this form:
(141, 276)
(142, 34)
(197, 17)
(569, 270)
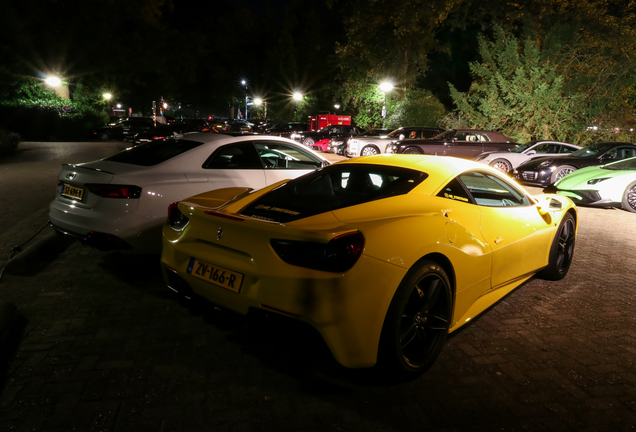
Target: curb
(44, 249)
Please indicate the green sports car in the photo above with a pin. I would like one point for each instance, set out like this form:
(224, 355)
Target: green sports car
(611, 185)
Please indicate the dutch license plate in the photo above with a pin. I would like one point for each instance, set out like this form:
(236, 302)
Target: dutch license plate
(217, 275)
(72, 192)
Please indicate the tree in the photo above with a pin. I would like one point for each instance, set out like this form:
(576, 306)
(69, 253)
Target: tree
(419, 108)
(517, 90)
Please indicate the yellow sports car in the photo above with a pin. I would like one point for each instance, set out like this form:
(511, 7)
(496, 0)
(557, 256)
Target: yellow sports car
(383, 255)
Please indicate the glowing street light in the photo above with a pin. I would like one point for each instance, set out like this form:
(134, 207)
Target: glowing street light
(385, 87)
(107, 96)
(297, 96)
(53, 81)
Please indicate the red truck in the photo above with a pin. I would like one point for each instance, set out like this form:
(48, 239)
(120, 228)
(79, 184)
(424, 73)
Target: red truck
(320, 121)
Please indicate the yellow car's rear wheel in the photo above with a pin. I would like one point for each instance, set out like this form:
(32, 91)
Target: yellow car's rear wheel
(417, 322)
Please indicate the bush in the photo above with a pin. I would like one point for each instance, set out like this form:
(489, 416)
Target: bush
(8, 142)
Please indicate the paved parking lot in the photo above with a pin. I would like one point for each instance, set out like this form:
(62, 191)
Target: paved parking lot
(101, 344)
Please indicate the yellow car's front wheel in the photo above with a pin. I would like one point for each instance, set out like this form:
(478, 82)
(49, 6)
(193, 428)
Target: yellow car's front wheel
(417, 322)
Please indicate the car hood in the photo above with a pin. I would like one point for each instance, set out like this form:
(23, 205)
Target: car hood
(559, 160)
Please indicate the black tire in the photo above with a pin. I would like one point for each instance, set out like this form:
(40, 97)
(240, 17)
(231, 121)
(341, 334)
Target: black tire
(561, 172)
(370, 150)
(629, 198)
(413, 150)
(103, 136)
(309, 142)
(502, 165)
(561, 251)
(417, 322)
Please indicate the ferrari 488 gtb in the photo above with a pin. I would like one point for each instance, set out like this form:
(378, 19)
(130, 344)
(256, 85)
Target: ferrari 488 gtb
(383, 255)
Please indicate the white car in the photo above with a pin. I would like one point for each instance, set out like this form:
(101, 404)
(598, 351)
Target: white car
(507, 161)
(121, 202)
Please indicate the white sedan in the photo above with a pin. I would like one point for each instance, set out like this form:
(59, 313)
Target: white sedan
(507, 161)
(121, 202)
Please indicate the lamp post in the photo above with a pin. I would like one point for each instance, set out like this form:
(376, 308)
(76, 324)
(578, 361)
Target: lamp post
(259, 102)
(107, 96)
(385, 87)
(245, 84)
(58, 86)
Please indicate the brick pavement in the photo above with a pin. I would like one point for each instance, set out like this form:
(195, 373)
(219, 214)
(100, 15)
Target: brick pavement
(105, 346)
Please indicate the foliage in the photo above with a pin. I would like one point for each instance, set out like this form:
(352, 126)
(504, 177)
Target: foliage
(36, 112)
(518, 91)
(9, 142)
(419, 108)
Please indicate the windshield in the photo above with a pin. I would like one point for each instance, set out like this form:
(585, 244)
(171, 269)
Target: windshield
(334, 187)
(626, 164)
(591, 151)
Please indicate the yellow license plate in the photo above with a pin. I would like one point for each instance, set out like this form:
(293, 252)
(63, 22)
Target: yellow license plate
(217, 275)
(72, 192)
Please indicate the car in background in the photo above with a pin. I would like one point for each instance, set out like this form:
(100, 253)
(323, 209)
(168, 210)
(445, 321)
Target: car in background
(120, 202)
(241, 126)
(611, 185)
(165, 132)
(259, 126)
(286, 129)
(543, 172)
(309, 138)
(507, 161)
(338, 145)
(372, 145)
(219, 125)
(383, 256)
(463, 143)
(123, 129)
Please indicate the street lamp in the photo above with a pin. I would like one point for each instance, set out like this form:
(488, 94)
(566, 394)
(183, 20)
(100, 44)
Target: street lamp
(245, 84)
(53, 81)
(297, 96)
(385, 87)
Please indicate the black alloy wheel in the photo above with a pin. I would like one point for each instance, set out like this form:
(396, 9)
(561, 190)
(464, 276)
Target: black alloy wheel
(561, 251)
(413, 150)
(309, 142)
(417, 322)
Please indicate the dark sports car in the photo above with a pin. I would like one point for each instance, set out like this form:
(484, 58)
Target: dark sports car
(309, 138)
(463, 143)
(545, 171)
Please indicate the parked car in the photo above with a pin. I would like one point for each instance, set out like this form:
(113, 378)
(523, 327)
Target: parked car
(164, 132)
(219, 125)
(310, 138)
(338, 145)
(507, 161)
(120, 202)
(383, 256)
(464, 143)
(124, 129)
(241, 126)
(372, 145)
(611, 185)
(286, 129)
(545, 171)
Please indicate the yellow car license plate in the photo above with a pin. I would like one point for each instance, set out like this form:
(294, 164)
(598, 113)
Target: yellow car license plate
(72, 192)
(215, 274)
